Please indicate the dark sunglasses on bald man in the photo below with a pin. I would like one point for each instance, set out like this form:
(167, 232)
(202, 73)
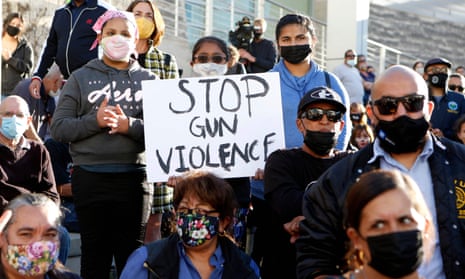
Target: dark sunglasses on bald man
(316, 114)
(388, 105)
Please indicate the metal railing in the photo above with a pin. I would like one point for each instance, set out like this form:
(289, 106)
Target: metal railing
(382, 56)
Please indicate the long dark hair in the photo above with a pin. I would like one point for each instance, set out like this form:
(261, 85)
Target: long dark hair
(211, 39)
(9, 18)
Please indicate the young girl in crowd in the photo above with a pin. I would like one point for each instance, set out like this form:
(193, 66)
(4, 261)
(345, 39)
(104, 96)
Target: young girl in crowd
(387, 241)
(459, 128)
(362, 135)
(100, 115)
(210, 57)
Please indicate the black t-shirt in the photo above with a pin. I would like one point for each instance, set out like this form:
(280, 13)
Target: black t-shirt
(287, 174)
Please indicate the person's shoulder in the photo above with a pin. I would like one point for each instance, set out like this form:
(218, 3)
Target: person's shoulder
(450, 146)
(22, 88)
(268, 42)
(101, 4)
(451, 95)
(282, 153)
(141, 73)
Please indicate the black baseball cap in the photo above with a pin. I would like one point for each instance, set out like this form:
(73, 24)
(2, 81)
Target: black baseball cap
(322, 94)
(437, 61)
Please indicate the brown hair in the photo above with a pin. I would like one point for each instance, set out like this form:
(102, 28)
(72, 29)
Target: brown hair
(358, 129)
(159, 31)
(208, 188)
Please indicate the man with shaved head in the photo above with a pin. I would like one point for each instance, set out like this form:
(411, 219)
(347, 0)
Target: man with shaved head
(400, 111)
(25, 165)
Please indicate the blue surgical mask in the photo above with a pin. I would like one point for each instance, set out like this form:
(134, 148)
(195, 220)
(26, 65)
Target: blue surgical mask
(13, 127)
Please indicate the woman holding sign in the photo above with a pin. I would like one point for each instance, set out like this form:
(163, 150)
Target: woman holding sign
(210, 57)
(100, 115)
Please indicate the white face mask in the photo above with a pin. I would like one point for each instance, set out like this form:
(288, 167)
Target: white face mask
(351, 62)
(117, 47)
(210, 69)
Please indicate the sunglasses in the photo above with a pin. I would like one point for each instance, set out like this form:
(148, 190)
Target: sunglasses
(217, 59)
(316, 114)
(388, 105)
(458, 87)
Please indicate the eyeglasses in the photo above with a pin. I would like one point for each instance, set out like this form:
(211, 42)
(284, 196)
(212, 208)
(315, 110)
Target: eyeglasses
(199, 211)
(453, 87)
(388, 105)
(316, 114)
(351, 55)
(217, 59)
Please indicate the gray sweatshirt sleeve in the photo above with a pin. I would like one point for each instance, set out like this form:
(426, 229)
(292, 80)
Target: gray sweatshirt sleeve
(74, 119)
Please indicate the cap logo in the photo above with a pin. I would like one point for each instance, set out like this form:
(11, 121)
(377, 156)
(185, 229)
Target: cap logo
(322, 94)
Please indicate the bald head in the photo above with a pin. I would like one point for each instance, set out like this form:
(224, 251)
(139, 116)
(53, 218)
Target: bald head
(399, 79)
(14, 104)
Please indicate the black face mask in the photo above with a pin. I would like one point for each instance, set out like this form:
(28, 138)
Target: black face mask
(257, 35)
(438, 80)
(396, 254)
(356, 117)
(12, 30)
(402, 135)
(320, 142)
(295, 54)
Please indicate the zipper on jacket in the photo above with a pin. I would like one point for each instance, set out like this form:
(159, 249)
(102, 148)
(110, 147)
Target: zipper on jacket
(71, 32)
(146, 265)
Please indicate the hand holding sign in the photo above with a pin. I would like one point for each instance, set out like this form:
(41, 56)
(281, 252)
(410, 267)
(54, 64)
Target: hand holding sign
(225, 124)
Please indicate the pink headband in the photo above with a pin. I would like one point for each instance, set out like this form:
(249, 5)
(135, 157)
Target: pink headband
(111, 14)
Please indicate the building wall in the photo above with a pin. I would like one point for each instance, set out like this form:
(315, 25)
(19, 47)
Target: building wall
(418, 37)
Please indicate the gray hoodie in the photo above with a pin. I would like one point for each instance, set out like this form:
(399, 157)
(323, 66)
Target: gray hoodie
(75, 120)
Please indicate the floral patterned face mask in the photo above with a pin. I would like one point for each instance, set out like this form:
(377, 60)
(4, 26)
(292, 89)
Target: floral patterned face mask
(195, 229)
(33, 259)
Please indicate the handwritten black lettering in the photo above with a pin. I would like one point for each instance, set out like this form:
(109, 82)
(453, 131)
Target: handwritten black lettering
(189, 95)
(249, 96)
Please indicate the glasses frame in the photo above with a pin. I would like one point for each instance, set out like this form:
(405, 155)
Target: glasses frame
(198, 211)
(388, 105)
(316, 114)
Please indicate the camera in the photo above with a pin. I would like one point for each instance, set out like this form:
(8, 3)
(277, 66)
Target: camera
(243, 35)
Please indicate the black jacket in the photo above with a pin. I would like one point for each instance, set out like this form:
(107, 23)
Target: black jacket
(320, 249)
(69, 45)
(163, 259)
(17, 67)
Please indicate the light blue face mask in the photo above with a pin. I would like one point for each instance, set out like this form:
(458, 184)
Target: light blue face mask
(13, 127)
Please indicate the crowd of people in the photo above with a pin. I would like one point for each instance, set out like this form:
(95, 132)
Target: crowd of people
(370, 183)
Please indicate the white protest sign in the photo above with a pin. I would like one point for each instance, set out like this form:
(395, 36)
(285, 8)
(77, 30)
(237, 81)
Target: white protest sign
(228, 125)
